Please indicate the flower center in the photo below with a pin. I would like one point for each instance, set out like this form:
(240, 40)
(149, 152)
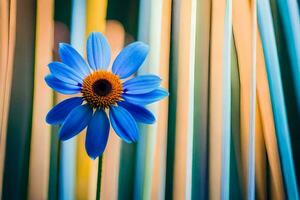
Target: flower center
(102, 89)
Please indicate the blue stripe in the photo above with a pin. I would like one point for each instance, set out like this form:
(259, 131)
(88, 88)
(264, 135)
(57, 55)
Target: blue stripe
(68, 148)
(291, 25)
(281, 124)
(226, 71)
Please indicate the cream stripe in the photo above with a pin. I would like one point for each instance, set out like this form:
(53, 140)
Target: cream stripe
(42, 102)
(260, 157)
(216, 104)
(244, 37)
(185, 98)
(159, 166)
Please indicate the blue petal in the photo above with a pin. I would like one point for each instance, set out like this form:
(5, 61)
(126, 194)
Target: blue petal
(75, 122)
(72, 58)
(123, 124)
(97, 134)
(144, 99)
(60, 86)
(141, 84)
(130, 59)
(139, 113)
(59, 113)
(98, 51)
(65, 73)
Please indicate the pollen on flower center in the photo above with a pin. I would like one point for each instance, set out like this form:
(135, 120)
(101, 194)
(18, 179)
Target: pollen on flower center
(102, 89)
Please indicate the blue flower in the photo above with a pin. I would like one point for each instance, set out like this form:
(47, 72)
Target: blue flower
(102, 91)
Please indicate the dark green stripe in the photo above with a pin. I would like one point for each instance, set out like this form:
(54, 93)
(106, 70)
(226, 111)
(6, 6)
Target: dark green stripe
(16, 167)
(201, 86)
(235, 165)
(127, 171)
(54, 165)
(172, 105)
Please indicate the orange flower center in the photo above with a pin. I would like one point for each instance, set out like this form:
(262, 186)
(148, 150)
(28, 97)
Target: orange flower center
(102, 89)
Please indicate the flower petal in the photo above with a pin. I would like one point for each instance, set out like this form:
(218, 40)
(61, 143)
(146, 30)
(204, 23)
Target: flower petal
(98, 51)
(75, 122)
(97, 134)
(141, 84)
(139, 113)
(123, 124)
(59, 113)
(65, 73)
(72, 58)
(60, 86)
(144, 99)
(130, 59)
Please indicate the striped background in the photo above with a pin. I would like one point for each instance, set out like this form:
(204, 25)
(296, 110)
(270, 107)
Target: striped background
(230, 128)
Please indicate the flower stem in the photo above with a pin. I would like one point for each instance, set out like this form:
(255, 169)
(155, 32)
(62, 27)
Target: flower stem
(99, 178)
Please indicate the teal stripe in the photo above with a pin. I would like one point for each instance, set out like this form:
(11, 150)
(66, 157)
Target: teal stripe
(288, 85)
(143, 35)
(54, 165)
(201, 76)
(173, 74)
(127, 171)
(226, 99)
(273, 70)
(291, 26)
(15, 180)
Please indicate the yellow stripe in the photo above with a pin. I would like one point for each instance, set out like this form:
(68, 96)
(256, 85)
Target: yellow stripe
(95, 15)
(215, 107)
(87, 169)
(115, 34)
(264, 101)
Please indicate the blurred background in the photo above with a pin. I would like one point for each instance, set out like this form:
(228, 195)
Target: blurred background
(230, 128)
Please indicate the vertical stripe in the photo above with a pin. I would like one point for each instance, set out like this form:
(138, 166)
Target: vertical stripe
(264, 101)
(215, 99)
(226, 99)
(68, 148)
(7, 42)
(95, 21)
(235, 165)
(185, 99)
(266, 28)
(154, 27)
(260, 158)
(143, 35)
(200, 146)
(42, 102)
(159, 168)
(290, 15)
(244, 19)
(20, 111)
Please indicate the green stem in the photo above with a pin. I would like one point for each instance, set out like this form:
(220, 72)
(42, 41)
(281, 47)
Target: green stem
(99, 177)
